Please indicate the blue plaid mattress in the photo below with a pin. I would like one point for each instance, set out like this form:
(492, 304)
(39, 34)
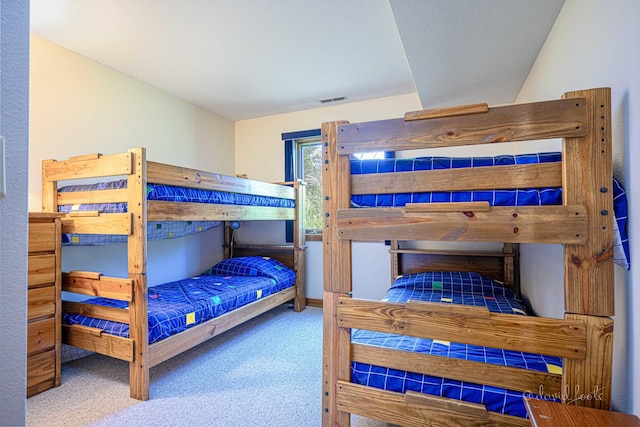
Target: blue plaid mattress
(168, 193)
(516, 197)
(455, 288)
(161, 230)
(179, 305)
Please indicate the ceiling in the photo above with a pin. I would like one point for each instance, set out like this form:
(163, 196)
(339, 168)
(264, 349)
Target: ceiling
(243, 59)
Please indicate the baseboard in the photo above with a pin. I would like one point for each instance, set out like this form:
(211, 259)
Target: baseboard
(314, 302)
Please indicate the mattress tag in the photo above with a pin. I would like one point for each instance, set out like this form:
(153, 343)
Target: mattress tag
(446, 343)
(553, 369)
(259, 293)
(191, 318)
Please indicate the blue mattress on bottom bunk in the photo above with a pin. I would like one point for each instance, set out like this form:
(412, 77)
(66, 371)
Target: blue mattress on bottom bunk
(456, 288)
(179, 305)
(516, 197)
(167, 193)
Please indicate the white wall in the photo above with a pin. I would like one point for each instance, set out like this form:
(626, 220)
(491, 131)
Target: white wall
(79, 106)
(14, 127)
(596, 44)
(260, 153)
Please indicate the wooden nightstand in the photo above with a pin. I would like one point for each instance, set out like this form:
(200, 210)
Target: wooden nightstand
(44, 307)
(543, 413)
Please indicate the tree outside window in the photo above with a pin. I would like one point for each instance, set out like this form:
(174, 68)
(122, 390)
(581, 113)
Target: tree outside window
(309, 169)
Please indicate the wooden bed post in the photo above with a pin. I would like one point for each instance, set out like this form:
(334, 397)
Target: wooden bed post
(589, 287)
(300, 247)
(137, 247)
(336, 276)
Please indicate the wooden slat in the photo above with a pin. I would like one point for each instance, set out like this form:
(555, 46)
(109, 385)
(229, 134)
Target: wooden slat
(97, 311)
(87, 167)
(456, 406)
(182, 211)
(113, 223)
(97, 332)
(553, 337)
(521, 224)
(396, 408)
(110, 345)
(95, 275)
(160, 173)
(459, 110)
(588, 180)
(81, 214)
(457, 369)
(92, 197)
(537, 175)
(447, 207)
(107, 287)
(176, 344)
(522, 122)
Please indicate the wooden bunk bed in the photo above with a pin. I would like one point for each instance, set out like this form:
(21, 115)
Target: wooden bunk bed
(133, 167)
(583, 223)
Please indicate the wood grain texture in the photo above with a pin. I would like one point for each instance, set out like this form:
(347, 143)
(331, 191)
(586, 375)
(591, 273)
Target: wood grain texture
(588, 178)
(544, 413)
(469, 325)
(521, 224)
(395, 408)
(43, 287)
(520, 122)
(336, 275)
(459, 110)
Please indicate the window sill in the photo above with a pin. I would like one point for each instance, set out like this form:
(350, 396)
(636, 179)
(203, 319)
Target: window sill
(313, 237)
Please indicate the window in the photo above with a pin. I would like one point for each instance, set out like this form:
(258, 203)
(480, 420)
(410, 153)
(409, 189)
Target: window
(309, 168)
(303, 160)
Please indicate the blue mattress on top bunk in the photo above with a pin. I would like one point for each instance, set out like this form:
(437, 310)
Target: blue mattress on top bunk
(157, 230)
(456, 288)
(515, 197)
(179, 305)
(168, 193)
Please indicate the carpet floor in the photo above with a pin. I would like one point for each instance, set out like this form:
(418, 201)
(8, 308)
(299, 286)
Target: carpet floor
(266, 372)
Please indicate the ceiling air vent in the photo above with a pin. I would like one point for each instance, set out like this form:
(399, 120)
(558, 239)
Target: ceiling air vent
(328, 100)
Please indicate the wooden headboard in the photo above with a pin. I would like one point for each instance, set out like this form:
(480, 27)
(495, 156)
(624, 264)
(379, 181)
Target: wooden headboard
(501, 266)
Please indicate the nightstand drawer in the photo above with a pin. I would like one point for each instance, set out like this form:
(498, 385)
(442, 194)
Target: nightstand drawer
(42, 302)
(41, 335)
(42, 237)
(41, 269)
(41, 372)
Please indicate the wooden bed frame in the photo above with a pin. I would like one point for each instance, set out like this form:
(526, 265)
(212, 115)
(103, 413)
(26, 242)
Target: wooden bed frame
(583, 224)
(138, 171)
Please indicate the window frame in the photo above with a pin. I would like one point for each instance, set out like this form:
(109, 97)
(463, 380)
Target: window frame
(293, 162)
